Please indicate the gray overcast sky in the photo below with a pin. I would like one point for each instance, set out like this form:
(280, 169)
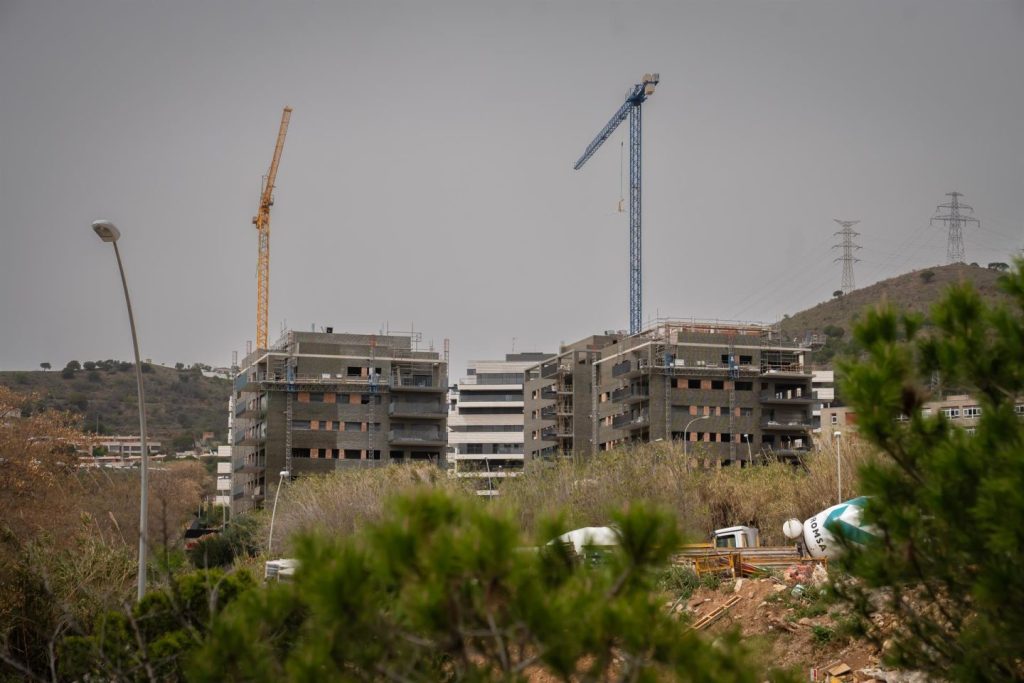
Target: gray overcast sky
(427, 177)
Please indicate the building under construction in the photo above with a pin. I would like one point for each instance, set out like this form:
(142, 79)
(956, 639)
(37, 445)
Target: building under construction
(316, 402)
(733, 391)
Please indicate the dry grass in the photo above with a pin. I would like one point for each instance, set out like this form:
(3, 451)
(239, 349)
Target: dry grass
(339, 503)
(703, 498)
(584, 494)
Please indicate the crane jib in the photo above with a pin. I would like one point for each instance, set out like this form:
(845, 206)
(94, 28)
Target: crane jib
(631, 109)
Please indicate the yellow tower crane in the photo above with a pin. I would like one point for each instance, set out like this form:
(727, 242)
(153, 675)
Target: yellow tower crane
(262, 222)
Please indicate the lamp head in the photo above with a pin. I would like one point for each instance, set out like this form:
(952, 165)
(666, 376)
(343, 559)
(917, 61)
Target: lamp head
(107, 231)
(285, 474)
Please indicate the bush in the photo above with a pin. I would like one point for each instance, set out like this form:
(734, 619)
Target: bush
(440, 589)
(152, 639)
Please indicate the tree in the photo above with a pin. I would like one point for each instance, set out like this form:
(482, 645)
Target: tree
(73, 366)
(89, 365)
(45, 366)
(179, 366)
(927, 276)
(151, 640)
(998, 265)
(834, 331)
(441, 590)
(837, 294)
(948, 505)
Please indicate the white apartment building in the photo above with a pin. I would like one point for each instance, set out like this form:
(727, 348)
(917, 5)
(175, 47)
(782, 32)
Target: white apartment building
(224, 470)
(823, 386)
(485, 421)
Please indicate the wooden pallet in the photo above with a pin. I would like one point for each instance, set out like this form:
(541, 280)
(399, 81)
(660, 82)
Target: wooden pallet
(715, 614)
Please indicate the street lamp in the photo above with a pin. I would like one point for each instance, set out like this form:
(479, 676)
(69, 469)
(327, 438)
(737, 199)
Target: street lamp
(109, 233)
(283, 476)
(686, 431)
(837, 435)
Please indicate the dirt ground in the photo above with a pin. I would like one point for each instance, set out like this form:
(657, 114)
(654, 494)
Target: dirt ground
(783, 630)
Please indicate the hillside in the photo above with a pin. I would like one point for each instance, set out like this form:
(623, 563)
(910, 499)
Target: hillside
(914, 291)
(180, 403)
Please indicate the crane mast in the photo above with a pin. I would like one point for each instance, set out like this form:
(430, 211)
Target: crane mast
(262, 222)
(631, 109)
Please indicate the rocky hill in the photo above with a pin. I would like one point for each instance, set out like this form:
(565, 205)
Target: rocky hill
(915, 291)
(181, 404)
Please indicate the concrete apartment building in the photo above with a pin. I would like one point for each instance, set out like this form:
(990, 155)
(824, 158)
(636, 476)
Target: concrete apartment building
(319, 401)
(962, 410)
(732, 390)
(557, 398)
(485, 422)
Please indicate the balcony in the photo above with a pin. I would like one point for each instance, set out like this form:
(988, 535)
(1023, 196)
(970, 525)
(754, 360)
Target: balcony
(416, 437)
(788, 426)
(629, 421)
(549, 370)
(791, 396)
(415, 383)
(622, 368)
(417, 410)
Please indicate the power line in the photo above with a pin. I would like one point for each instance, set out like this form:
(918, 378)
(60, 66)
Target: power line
(848, 259)
(955, 222)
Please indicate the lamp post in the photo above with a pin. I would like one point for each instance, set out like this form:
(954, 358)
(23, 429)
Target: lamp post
(686, 431)
(109, 233)
(282, 478)
(837, 435)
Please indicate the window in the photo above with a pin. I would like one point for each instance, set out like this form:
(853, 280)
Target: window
(951, 412)
(835, 419)
(353, 426)
(746, 412)
(746, 360)
(1019, 409)
(717, 384)
(725, 359)
(972, 411)
(354, 371)
(353, 454)
(744, 386)
(316, 397)
(301, 424)
(693, 384)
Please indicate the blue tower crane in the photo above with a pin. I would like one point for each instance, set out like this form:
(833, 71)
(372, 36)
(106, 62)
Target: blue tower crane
(631, 108)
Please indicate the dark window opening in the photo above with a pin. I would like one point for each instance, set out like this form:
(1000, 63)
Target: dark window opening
(693, 384)
(717, 384)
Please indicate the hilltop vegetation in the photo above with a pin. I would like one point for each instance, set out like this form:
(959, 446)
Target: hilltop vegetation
(181, 403)
(914, 292)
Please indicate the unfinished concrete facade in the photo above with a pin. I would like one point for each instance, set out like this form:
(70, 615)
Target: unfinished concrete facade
(317, 402)
(557, 395)
(733, 391)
